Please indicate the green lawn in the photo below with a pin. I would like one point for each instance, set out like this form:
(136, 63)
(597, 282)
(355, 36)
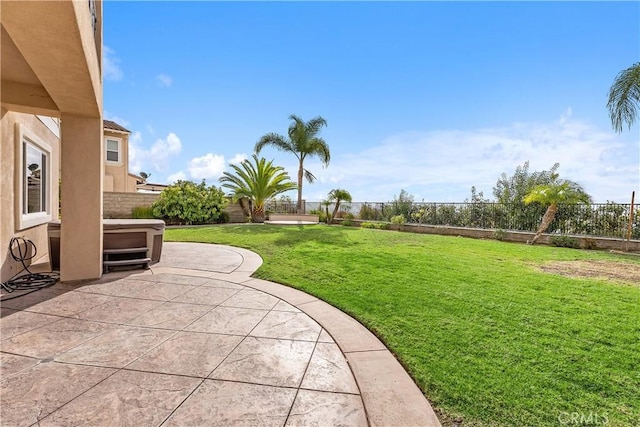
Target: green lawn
(483, 332)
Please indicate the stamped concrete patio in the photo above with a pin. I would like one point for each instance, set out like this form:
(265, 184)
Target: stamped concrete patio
(196, 341)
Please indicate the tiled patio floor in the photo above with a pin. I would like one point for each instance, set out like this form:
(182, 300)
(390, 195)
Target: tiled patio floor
(195, 341)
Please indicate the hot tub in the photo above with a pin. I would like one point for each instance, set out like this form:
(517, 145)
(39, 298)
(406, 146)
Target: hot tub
(119, 236)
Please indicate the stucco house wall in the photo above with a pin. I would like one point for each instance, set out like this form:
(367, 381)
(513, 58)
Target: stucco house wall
(116, 173)
(11, 172)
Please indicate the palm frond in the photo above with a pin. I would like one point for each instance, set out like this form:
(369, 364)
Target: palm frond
(275, 140)
(624, 97)
(309, 176)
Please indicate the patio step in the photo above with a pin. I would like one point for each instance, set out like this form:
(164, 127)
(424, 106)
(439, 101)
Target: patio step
(124, 251)
(121, 262)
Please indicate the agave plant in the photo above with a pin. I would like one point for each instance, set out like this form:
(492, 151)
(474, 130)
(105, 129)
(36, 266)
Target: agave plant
(258, 181)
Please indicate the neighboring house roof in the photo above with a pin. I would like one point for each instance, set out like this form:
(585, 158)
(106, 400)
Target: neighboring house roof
(111, 125)
(150, 188)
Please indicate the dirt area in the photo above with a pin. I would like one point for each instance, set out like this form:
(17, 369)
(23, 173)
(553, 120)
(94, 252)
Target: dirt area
(627, 273)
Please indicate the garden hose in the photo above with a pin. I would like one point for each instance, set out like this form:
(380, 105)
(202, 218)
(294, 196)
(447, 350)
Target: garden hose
(29, 282)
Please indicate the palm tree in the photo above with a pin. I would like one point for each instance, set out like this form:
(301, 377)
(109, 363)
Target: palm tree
(559, 191)
(337, 195)
(303, 141)
(257, 181)
(624, 97)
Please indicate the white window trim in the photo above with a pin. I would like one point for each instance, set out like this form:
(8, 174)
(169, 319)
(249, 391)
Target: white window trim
(120, 154)
(23, 220)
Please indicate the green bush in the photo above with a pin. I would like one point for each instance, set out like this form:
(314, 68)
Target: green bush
(375, 225)
(398, 219)
(322, 217)
(223, 218)
(562, 241)
(348, 219)
(369, 213)
(142, 212)
(186, 202)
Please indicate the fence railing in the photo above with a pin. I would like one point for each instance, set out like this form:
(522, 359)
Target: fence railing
(601, 219)
(598, 219)
(283, 207)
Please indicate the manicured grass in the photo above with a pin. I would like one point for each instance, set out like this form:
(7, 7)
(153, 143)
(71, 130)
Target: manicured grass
(483, 332)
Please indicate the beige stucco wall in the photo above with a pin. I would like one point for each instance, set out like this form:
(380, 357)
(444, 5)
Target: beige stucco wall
(9, 175)
(116, 176)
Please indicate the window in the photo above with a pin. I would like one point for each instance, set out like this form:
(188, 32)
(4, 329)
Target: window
(113, 150)
(34, 168)
(35, 177)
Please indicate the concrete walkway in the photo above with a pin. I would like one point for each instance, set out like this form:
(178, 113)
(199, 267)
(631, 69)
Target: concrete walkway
(196, 341)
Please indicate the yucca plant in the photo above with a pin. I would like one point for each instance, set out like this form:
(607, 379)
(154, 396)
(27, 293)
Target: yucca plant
(258, 181)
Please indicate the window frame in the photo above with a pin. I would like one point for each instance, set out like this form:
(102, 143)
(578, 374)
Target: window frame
(24, 138)
(106, 150)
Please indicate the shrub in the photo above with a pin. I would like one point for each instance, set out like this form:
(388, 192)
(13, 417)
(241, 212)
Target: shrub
(186, 202)
(142, 212)
(348, 219)
(499, 234)
(322, 217)
(562, 241)
(223, 218)
(369, 213)
(375, 225)
(398, 219)
(400, 205)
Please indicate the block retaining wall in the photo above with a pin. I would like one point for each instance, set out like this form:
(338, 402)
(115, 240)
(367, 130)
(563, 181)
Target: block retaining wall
(590, 242)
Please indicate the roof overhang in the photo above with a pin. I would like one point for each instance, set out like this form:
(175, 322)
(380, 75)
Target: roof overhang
(51, 57)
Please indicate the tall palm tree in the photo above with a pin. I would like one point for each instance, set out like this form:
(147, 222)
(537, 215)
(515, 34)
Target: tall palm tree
(303, 141)
(337, 195)
(624, 97)
(257, 181)
(559, 191)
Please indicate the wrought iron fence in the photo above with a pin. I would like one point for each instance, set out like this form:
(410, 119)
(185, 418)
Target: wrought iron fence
(602, 219)
(283, 207)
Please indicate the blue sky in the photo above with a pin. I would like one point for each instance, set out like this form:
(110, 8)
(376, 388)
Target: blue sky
(429, 97)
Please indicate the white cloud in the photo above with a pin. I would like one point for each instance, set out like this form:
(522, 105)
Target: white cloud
(135, 153)
(206, 167)
(155, 158)
(566, 116)
(162, 150)
(111, 64)
(178, 176)
(164, 80)
(238, 158)
(443, 165)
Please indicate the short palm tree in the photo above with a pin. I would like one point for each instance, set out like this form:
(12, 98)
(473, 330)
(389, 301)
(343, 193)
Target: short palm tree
(337, 196)
(259, 181)
(303, 141)
(551, 195)
(624, 97)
